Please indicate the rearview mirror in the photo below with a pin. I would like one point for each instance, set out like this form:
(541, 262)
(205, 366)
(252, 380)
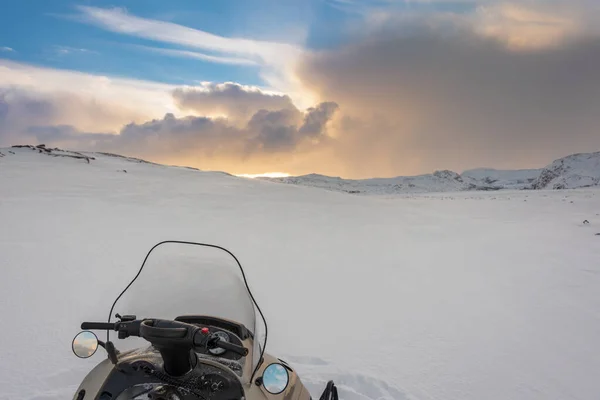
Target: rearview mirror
(85, 344)
(275, 378)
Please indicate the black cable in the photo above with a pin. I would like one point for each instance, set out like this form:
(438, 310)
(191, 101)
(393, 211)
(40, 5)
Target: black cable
(188, 386)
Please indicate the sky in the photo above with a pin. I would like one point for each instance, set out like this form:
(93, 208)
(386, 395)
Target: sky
(351, 88)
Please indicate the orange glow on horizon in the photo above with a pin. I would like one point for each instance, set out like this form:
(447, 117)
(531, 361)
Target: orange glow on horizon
(265, 175)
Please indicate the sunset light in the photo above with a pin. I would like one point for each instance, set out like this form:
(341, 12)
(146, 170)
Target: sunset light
(265, 175)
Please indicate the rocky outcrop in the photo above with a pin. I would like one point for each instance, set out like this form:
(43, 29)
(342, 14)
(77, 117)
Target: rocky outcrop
(572, 172)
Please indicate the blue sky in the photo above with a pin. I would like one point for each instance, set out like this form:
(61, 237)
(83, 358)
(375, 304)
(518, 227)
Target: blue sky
(56, 34)
(49, 33)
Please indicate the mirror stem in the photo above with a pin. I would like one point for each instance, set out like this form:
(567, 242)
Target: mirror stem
(110, 349)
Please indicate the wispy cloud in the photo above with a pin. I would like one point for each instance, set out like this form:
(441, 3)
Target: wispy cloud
(276, 60)
(535, 26)
(119, 21)
(364, 7)
(197, 55)
(352, 6)
(6, 49)
(65, 50)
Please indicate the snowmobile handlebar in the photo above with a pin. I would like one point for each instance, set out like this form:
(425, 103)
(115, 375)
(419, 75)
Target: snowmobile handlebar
(99, 326)
(166, 333)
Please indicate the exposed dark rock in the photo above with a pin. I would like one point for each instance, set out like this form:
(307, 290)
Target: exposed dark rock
(485, 188)
(131, 159)
(446, 174)
(547, 176)
(56, 152)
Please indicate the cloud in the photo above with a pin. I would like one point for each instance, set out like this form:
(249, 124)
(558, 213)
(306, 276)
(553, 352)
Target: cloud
(238, 102)
(274, 57)
(197, 56)
(65, 50)
(88, 102)
(203, 139)
(523, 24)
(317, 117)
(213, 126)
(21, 109)
(6, 49)
(450, 98)
(531, 25)
(119, 21)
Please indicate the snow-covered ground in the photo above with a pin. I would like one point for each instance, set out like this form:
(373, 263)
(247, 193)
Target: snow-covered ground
(449, 296)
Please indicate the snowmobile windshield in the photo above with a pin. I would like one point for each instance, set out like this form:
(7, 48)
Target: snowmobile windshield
(182, 279)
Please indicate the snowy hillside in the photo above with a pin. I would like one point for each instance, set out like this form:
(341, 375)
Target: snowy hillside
(436, 296)
(574, 171)
(579, 170)
(515, 179)
(440, 181)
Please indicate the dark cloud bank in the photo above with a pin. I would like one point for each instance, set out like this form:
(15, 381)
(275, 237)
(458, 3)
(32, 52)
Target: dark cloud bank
(265, 132)
(429, 100)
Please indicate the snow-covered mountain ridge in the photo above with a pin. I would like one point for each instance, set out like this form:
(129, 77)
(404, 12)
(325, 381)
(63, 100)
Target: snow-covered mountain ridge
(574, 171)
(571, 172)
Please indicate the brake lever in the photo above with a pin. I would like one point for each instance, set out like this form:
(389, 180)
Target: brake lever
(211, 341)
(217, 342)
(125, 318)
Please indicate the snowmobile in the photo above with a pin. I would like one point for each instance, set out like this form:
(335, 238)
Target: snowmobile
(196, 336)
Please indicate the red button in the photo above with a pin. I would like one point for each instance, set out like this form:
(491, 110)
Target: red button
(204, 331)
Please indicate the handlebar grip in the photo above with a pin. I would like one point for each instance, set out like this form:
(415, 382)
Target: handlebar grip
(242, 351)
(164, 330)
(98, 325)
